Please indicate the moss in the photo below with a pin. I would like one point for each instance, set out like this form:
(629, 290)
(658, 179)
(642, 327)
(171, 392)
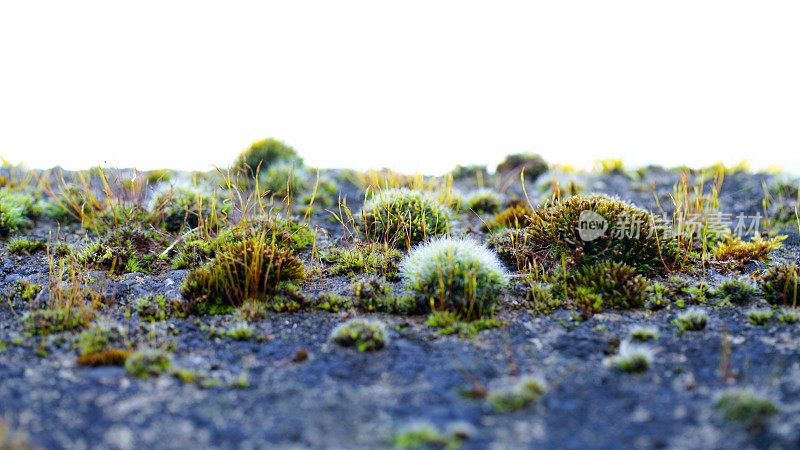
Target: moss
(788, 317)
(745, 407)
(403, 218)
(455, 275)
(369, 259)
(98, 338)
(613, 230)
(147, 363)
(734, 253)
(471, 172)
(105, 357)
(284, 179)
(240, 331)
(539, 297)
(265, 153)
(188, 376)
(483, 201)
(373, 294)
(760, 317)
(330, 302)
(605, 285)
(643, 334)
(153, 308)
(246, 270)
(158, 176)
(533, 165)
(26, 290)
(779, 284)
(633, 358)
(735, 291)
(179, 209)
(16, 210)
(124, 249)
(25, 247)
(48, 321)
(514, 395)
(365, 335)
(692, 320)
(449, 323)
(515, 216)
(609, 166)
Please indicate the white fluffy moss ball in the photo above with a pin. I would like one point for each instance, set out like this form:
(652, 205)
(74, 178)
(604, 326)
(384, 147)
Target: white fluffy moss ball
(456, 275)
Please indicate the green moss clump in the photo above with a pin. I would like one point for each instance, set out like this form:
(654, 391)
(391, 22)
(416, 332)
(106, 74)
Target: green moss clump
(788, 317)
(246, 270)
(605, 285)
(514, 395)
(365, 335)
(179, 209)
(27, 290)
(25, 247)
(449, 323)
(240, 331)
(97, 338)
(147, 363)
(124, 249)
(153, 308)
(470, 172)
(106, 357)
(265, 153)
(48, 321)
(284, 179)
(16, 211)
(747, 408)
(158, 176)
(424, 435)
(760, 317)
(483, 201)
(692, 320)
(534, 166)
(539, 297)
(779, 284)
(369, 259)
(633, 358)
(643, 334)
(515, 216)
(735, 291)
(455, 275)
(584, 230)
(403, 218)
(733, 253)
(330, 302)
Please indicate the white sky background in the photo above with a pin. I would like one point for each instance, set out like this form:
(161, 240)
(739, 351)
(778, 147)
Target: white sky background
(416, 86)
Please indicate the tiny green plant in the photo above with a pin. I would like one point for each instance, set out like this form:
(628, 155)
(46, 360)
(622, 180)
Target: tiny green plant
(752, 410)
(691, 320)
(153, 308)
(643, 334)
(455, 275)
(760, 317)
(633, 358)
(147, 363)
(403, 218)
(735, 291)
(25, 246)
(240, 331)
(362, 334)
(788, 317)
(421, 435)
(510, 395)
(483, 201)
(779, 284)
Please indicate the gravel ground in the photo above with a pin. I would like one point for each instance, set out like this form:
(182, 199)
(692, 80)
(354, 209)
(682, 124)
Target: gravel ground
(342, 399)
